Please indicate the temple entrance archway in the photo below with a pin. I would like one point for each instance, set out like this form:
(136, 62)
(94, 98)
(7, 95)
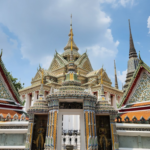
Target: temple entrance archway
(63, 112)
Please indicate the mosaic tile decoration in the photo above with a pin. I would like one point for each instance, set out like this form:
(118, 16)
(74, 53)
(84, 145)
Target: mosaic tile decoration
(4, 91)
(142, 92)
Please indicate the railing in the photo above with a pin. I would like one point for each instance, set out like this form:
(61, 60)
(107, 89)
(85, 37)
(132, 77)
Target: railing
(71, 137)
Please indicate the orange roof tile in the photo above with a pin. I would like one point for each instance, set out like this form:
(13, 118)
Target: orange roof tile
(137, 114)
(11, 112)
(4, 102)
(141, 104)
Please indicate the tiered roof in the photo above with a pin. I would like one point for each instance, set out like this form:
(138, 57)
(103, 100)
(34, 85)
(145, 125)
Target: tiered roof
(10, 102)
(135, 104)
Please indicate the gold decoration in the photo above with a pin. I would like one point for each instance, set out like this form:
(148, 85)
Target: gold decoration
(55, 125)
(101, 75)
(103, 133)
(112, 133)
(42, 75)
(87, 129)
(40, 139)
(71, 76)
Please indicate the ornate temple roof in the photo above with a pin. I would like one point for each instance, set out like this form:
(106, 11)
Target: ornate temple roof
(102, 105)
(10, 102)
(133, 81)
(135, 104)
(40, 105)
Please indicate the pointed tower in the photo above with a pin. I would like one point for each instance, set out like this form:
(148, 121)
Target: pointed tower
(132, 62)
(116, 81)
(67, 48)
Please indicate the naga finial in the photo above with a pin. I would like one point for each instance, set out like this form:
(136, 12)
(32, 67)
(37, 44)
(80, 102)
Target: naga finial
(139, 55)
(1, 54)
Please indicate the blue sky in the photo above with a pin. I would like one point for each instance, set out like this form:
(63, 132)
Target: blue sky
(30, 31)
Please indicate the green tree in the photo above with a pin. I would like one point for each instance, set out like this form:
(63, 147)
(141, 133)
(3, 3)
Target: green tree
(16, 83)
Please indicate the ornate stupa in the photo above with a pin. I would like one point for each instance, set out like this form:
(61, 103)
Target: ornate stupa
(132, 62)
(40, 105)
(102, 105)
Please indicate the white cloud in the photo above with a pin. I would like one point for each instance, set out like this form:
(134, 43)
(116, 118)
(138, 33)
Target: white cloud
(43, 30)
(116, 3)
(148, 24)
(45, 61)
(138, 43)
(122, 76)
(7, 44)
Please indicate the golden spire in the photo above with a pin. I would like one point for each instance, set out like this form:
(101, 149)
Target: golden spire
(71, 39)
(101, 75)
(71, 33)
(42, 75)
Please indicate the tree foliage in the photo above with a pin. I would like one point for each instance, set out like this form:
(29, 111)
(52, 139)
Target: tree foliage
(17, 84)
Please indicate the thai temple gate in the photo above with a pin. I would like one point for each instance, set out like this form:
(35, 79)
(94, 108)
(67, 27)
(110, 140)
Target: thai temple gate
(96, 117)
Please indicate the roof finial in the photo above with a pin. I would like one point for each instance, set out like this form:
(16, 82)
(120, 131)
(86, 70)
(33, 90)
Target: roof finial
(71, 22)
(1, 54)
(71, 55)
(132, 51)
(101, 75)
(116, 81)
(139, 55)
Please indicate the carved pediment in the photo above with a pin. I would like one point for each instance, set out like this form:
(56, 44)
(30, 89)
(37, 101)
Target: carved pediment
(84, 62)
(38, 75)
(55, 65)
(57, 62)
(104, 76)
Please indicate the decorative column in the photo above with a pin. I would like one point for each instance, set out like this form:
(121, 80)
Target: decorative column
(35, 96)
(27, 101)
(29, 133)
(114, 136)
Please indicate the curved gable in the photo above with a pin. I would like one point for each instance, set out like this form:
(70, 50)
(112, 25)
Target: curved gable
(57, 63)
(139, 86)
(84, 63)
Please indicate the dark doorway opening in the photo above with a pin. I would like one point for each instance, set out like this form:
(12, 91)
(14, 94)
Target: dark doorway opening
(39, 132)
(103, 133)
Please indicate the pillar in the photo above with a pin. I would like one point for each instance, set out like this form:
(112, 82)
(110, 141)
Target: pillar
(27, 96)
(34, 96)
(44, 94)
(32, 99)
(114, 101)
(108, 97)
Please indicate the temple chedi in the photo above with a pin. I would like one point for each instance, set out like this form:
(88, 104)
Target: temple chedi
(55, 75)
(132, 62)
(97, 126)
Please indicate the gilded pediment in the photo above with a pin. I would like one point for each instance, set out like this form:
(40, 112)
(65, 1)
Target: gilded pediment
(57, 62)
(37, 76)
(84, 63)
